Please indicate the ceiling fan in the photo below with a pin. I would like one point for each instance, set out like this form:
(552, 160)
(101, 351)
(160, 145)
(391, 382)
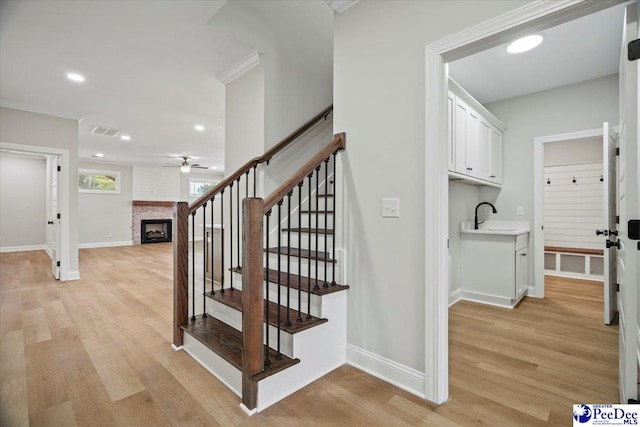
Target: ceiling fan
(185, 166)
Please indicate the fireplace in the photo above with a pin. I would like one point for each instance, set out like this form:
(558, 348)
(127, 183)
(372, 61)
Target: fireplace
(155, 230)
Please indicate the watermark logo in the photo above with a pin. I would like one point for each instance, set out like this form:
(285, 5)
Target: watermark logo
(604, 414)
(582, 413)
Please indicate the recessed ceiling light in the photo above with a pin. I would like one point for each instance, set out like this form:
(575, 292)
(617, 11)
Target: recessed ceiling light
(125, 137)
(75, 77)
(524, 44)
(99, 155)
(199, 128)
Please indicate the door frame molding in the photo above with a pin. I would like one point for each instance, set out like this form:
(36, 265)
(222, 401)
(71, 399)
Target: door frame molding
(64, 244)
(535, 16)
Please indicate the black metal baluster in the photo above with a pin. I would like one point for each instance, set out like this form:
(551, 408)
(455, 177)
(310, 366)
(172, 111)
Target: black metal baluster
(246, 183)
(204, 259)
(230, 234)
(288, 321)
(309, 246)
(299, 318)
(315, 286)
(222, 233)
(239, 226)
(333, 219)
(213, 251)
(193, 267)
(254, 180)
(267, 361)
(279, 355)
(326, 231)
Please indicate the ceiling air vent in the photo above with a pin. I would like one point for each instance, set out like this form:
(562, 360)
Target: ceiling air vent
(101, 130)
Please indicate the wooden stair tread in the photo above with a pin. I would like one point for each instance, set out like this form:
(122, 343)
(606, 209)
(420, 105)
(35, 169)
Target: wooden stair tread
(295, 281)
(327, 212)
(324, 195)
(309, 230)
(226, 342)
(301, 253)
(233, 299)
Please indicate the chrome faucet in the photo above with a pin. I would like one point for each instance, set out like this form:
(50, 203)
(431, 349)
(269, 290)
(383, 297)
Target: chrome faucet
(475, 222)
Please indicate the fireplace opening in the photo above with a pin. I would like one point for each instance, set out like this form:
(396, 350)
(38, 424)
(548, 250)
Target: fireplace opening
(155, 230)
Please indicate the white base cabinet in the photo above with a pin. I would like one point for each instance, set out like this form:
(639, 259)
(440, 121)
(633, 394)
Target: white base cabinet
(494, 268)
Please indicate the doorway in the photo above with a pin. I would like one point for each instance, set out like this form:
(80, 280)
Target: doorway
(498, 31)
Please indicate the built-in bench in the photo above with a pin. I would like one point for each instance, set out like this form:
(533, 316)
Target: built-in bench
(574, 262)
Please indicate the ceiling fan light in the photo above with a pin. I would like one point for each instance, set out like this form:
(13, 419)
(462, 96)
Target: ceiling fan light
(185, 168)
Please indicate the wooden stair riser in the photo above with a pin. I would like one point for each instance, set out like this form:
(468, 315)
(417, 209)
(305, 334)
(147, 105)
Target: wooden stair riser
(233, 318)
(309, 220)
(323, 203)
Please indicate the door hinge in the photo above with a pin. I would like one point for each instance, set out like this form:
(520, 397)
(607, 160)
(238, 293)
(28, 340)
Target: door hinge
(633, 50)
(57, 263)
(618, 287)
(617, 151)
(617, 219)
(58, 216)
(59, 168)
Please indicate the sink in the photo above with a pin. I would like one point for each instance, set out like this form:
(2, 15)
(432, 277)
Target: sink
(499, 229)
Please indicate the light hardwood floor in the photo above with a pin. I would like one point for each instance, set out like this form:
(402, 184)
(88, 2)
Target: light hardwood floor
(96, 352)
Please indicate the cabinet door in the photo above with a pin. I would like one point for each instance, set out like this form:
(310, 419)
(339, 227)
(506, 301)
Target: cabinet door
(484, 151)
(451, 99)
(495, 174)
(460, 135)
(471, 143)
(522, 273)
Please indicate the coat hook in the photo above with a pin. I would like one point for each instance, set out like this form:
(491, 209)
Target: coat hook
(574, 180)
(601, 178)
(548, 181)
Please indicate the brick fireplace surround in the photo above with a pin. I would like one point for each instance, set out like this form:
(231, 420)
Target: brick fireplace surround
(147, 209)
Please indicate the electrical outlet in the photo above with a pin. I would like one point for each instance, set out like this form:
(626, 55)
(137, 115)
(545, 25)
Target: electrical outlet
(110, 234)
(520, 210)
(391, 208)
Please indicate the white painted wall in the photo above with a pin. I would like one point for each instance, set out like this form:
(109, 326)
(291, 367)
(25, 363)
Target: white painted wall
(244, 119)
(463, 199)
(578, 151)
(105, 219)
(379, 87)
(576, 107)
(23, 210)
(22, 127)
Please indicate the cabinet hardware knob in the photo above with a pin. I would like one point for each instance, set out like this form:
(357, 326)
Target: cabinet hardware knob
(523, 254)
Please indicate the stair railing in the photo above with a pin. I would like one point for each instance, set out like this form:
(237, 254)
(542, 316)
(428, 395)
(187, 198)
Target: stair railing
(223, 222)
(257, 213)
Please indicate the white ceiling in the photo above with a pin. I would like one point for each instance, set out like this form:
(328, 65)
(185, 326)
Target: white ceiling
(148, 69)
(579, 50)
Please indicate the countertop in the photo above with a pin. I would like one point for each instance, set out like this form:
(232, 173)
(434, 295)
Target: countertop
(503, 228)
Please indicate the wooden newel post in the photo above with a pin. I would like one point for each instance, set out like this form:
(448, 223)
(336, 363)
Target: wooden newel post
(180, 269)
(252, 299)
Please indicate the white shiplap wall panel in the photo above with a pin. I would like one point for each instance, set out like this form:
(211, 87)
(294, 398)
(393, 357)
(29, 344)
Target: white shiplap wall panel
(156, 184)
(573, 211)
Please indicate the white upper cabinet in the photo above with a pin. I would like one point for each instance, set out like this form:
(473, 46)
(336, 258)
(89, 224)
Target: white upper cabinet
(475, 139)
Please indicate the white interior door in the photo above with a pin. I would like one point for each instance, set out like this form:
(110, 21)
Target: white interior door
(628, 208)
(54, 222)
(610, 202)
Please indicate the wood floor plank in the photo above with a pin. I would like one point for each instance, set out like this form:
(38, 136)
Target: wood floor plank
(68, 350)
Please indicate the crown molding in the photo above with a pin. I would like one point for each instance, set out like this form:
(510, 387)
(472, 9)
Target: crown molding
(241, 67)
(340, 5)
(16, 105)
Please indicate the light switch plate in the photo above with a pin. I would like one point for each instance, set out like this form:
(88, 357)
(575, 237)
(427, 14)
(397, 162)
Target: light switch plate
(391, 208)
(520, 210)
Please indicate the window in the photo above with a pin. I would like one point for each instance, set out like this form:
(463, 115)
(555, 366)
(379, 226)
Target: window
(96, 181)
(199, 186)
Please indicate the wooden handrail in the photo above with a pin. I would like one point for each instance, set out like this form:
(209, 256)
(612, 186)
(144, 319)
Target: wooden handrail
(265, 158)
(338, 143)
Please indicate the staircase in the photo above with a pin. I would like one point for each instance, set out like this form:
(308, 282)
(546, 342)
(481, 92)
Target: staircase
(256, 301)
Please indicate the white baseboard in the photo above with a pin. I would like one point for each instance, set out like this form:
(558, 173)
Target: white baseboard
(24, 248)
(104, 244)
(48, 250)
(248, 411)
(388, 370)
(487, 299)
(455, 296)
(71, 275)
